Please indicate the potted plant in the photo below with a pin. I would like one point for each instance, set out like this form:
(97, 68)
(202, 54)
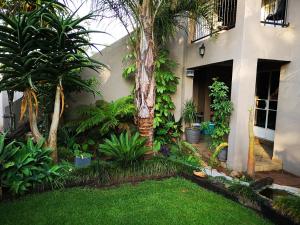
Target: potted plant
(207, 127)
(192, 132)
(222, 108)
(82, 157)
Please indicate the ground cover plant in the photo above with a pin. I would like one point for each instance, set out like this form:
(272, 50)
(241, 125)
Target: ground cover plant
(173, 201)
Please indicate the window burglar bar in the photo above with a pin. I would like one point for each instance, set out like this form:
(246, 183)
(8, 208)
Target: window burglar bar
(274, 12)
(223, 17)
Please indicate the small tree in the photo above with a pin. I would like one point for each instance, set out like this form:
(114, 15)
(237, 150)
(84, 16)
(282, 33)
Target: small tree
(44, 49)
(222, 108)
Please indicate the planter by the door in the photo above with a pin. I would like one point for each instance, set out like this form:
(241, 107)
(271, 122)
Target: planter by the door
(82, 162)
(223, 155)
(192, 135)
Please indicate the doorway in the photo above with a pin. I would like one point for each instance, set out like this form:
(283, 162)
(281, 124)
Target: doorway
(267, 87)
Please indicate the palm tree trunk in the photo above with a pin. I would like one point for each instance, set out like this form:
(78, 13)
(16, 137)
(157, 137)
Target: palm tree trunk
(251, 154)
(145, 80)
(52, 139)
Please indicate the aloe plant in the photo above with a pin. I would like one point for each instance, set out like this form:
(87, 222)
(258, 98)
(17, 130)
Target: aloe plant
(44, 49)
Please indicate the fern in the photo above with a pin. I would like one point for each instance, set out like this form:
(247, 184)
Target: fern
(107, 116)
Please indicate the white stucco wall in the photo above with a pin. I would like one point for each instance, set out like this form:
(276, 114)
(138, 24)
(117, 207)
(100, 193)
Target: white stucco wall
(244, 44)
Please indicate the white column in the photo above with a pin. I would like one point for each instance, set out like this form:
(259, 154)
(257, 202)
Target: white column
(243, 98)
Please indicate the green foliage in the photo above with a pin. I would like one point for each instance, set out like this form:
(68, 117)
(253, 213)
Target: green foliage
(244, 191)
(222, 108)
(189, 112)
(44, 48)
(105, 116)
(186, 154)
(124, 149)
(289, 206)
(81, 150)
(23, 166)
(167, 130)
(166, 87)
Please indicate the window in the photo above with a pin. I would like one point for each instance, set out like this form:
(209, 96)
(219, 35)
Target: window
(274, 12)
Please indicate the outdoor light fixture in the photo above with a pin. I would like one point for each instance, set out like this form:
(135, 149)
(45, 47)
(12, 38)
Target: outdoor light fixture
(202, 50)
(190, 73)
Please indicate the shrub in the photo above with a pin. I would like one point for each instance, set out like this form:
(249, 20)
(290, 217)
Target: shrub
(124, 149)
(185, 154)
(222, 108)
(289, 206)
(189, 113)
(23, 166)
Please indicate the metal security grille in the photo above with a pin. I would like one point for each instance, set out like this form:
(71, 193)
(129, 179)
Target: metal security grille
(223, 17)
(274, 12)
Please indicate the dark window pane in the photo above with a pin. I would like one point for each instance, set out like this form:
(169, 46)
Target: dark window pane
(262, 84)
(273, 105)
(261, 104)
(260, 118)
(272, 120)
(274, 85)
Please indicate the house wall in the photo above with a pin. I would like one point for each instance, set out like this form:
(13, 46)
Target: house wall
(112, 85)
(287, 136)
(245, 44)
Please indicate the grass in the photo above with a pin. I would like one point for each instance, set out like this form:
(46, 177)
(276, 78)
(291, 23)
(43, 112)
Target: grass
(289, 206)
(173, 201)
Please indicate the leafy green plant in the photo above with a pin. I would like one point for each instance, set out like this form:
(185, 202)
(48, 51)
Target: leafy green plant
(44, 50)
(189, 113)
(204, 125)
(105, 116)
(222, 108)
(186, 154)
(81, 150)
(124, 149)
(24, 166)
(289, 206)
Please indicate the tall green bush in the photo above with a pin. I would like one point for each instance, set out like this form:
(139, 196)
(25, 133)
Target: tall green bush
(222, 108)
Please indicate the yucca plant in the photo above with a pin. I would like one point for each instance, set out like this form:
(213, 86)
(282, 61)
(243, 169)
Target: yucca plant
(44, 49)
(124, 149)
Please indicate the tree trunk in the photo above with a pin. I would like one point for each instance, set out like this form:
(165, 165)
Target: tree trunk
(251, 154)
(52, 139)
(33, 120)
(145, 80)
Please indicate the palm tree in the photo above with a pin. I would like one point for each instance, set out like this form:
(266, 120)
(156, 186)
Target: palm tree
(44, 49)
(153, 22)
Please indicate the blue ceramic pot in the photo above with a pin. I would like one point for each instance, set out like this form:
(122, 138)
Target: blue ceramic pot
(82, 162)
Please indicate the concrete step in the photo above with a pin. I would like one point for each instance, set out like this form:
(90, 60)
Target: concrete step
(264, 165)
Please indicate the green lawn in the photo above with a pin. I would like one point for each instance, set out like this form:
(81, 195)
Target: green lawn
(173, 201)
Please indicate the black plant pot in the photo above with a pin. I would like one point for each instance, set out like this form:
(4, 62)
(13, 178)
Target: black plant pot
(223, 155)
(192, 135)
